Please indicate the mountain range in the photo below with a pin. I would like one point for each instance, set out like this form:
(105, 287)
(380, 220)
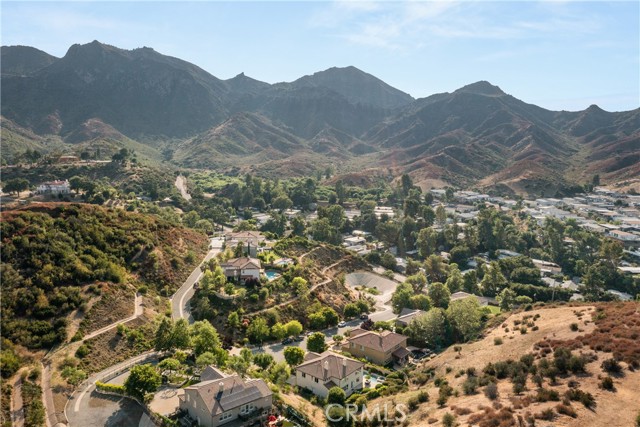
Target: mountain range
(477, 136)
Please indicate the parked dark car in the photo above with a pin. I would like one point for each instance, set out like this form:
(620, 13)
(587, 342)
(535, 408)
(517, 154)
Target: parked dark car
(287, 341)
(364, 316)
(298, 338)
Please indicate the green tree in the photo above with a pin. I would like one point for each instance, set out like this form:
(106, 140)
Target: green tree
(297, 226)
(611, 250)
(441, 216)
(205, 337)
(258, 331)
(279, 373)
(435, 268)
(170, 364)
(282, 203)
(293, 328)
(506, 298)
(299, 285)
(316, 342)
(142, 379)
(323, 231)
(439, 295)
(263, 360)
(420, 302)
(465, 316)
(401, 297)
(164, 335)
(15, 185)
(190, 218)
(76, 183)
(180, 336)
(455, 281)
(417, 281)
(336, 396)
(205, 359)
(293, 355)
(429, 328)
(406, 184)
(278, 331)
(493, 281)
(470, 284)
(233, 320)
(238, 364)
(204, 225)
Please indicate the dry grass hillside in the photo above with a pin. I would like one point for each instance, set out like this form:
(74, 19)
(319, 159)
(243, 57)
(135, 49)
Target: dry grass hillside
(587, 389)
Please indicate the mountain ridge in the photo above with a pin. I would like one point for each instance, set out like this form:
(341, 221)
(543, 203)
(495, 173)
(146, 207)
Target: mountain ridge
(471, 136)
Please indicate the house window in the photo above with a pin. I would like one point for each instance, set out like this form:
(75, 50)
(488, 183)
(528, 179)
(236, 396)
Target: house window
(225, 416)
(351, 345)
(304, 375)
(244, 409)
(315, 379)
(361, 348)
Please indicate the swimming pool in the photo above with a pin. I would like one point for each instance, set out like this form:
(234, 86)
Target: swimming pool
(272, 274)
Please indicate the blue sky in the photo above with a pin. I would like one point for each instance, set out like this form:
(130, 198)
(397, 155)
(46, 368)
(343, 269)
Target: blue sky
(561, 55)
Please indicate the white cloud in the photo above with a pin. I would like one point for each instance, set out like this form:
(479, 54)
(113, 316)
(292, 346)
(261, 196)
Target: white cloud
(406, 24)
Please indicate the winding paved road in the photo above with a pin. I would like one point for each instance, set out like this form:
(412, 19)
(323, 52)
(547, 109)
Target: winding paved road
(181, 299)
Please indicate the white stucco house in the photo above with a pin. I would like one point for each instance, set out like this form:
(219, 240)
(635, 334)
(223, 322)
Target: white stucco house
(242, 268)
(321, 372)
(54, 187)
(221, 399)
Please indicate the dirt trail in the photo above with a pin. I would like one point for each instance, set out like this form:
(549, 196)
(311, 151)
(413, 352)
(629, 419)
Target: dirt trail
(181, 184)
(137, 312)
(17, 408)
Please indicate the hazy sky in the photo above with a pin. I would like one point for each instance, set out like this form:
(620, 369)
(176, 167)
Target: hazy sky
(557, 54)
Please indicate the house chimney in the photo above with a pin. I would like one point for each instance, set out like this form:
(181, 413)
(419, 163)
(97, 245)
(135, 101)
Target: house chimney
(326, 369)
(344, 367)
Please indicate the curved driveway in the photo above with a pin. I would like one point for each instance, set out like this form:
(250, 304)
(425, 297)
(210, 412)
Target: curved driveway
(181, 299)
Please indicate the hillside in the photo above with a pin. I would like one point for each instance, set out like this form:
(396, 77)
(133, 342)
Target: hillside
(23, 60)
(53, 253)
(601, 332)
(477, 136)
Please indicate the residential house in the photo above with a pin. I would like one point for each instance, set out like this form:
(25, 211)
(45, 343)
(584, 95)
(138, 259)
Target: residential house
(250, 241)
(68, 159)
(547, 267)
(321, 372)
(384, 210)
(220, 399)
(242, 268)
(624, 236)
(354, 241)
(54, 187)
(407, 315)
(483, 301)
(381, 348)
